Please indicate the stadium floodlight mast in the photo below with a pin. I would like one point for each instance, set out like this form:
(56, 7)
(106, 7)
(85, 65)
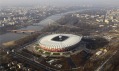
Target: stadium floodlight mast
(60, 37)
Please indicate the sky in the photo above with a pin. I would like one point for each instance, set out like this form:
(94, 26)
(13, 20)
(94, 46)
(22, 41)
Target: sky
(58, 2)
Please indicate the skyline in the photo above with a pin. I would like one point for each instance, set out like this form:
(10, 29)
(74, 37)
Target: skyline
(59, 2)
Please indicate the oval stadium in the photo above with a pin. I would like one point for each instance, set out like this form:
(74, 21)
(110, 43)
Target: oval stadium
(59, 42)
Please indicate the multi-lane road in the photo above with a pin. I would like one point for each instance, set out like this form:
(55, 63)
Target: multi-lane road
(27, 58)
(106, 61)
(30, 61)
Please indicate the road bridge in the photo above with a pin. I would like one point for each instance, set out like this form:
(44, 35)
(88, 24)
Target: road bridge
(22, 31)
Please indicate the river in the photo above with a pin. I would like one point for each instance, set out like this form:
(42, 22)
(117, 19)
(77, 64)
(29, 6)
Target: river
(14, 36)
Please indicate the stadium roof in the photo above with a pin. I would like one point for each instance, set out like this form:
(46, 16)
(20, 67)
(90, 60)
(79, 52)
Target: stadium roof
(59, 40)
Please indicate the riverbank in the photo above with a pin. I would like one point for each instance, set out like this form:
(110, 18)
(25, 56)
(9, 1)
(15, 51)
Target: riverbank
(42, 24)
(22, 41)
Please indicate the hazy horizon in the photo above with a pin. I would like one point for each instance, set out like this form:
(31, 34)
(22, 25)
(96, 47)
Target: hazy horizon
(59, 2)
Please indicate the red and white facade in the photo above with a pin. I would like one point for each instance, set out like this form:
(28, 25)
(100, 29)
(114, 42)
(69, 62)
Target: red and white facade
(59, 46)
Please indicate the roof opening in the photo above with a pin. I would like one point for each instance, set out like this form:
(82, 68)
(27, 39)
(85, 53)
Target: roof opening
(60, 38)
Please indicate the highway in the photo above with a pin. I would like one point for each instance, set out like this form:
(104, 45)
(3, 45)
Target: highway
(28, 58)
(31, 62)
(101, 67)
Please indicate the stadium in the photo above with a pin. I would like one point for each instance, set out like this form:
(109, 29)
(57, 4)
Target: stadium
(59, 42)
